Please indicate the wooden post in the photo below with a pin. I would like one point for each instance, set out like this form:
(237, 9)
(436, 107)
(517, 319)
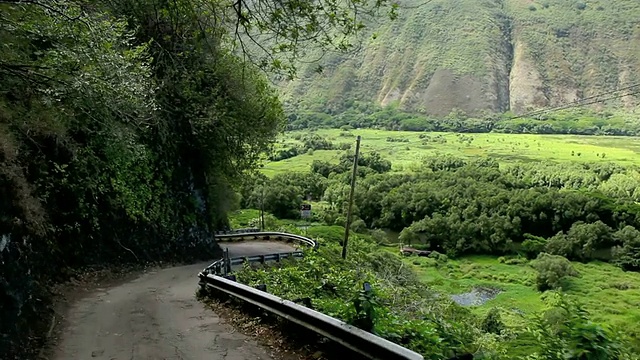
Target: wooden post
(262, 209)
(353, 186)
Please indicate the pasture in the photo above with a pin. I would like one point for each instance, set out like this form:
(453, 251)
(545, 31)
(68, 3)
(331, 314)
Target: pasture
(406, 149)
(609, 294)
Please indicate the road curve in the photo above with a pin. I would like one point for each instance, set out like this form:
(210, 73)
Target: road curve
(156, 316)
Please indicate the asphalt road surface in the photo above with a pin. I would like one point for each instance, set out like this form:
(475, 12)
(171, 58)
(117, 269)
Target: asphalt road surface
(157, 316)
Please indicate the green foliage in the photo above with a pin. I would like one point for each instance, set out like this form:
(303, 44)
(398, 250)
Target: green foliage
(627, 254)
(310, 142)
(408, 236)
(581, 241)
(606, 291)
(492, 322)
(577, 121)
(552, 271)
(506, 149)
(333, 233)
(400, 309)
(283, 194)
(457, 205)
(533, 245)
(280, 197)
(566, 332)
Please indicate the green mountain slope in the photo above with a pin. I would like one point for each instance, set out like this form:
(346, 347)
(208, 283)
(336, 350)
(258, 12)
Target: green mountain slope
(483, 55)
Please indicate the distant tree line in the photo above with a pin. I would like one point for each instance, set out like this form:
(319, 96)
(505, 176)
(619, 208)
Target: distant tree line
(310, 142)
(579, 122)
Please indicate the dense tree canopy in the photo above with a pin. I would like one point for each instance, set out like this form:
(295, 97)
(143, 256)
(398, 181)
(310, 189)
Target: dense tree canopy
(463, 206)
(369, 115)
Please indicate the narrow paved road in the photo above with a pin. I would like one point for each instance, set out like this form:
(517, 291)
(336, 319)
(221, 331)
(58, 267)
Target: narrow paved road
(157, 317)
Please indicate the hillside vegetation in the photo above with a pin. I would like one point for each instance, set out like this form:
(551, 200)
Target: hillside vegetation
(481, 56)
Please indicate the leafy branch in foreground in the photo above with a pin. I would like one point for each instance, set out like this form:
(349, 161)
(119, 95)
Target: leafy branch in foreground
(274, 34)
(565, 332)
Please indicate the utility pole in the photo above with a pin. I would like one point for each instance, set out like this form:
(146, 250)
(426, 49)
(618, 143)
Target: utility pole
(262, 208)
(353, 186)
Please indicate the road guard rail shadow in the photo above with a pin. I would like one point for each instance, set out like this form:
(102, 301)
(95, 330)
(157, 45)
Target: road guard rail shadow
(216, 277)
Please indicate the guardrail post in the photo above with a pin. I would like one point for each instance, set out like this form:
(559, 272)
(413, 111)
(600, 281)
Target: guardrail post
(304, 301)
(262, 287)
(262, 259)
(279, 257)
(227, 263)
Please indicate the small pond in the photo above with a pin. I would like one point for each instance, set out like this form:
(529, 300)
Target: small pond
(477, 296)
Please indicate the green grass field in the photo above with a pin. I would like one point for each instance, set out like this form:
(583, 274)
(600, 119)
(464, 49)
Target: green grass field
(611, 295)
(504, 147)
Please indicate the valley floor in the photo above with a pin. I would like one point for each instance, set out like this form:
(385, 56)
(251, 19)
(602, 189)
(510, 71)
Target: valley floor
(406, 149)
(609, 294)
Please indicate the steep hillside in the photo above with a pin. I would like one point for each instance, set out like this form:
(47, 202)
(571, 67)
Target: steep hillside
(482, 55)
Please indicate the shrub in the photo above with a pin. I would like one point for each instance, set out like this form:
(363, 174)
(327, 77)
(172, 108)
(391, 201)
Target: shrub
(516, 261)
(552, 270)
(627, 255)
(492, 322)
(533, 245)
(358, 226)
(622, 286)
(428, 262)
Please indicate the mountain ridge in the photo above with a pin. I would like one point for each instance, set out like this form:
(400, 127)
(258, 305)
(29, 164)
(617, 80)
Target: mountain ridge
(482, 56)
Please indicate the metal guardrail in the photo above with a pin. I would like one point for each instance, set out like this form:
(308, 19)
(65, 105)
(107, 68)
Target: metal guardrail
(358, 340)
(223, 266)
(255, 233)
(237, 231)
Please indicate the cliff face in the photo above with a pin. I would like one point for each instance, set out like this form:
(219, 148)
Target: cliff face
(484, 55)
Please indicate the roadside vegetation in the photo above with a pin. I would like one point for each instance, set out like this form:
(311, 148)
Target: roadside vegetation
(411, 302)
(539, 257)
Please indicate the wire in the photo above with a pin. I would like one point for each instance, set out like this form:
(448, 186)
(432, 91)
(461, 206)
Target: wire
(581, 102)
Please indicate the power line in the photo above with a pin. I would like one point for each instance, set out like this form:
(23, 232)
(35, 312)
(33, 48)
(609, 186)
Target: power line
(601, 100)
(579, 103)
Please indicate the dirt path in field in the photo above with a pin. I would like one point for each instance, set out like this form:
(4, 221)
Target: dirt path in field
(156, 316)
